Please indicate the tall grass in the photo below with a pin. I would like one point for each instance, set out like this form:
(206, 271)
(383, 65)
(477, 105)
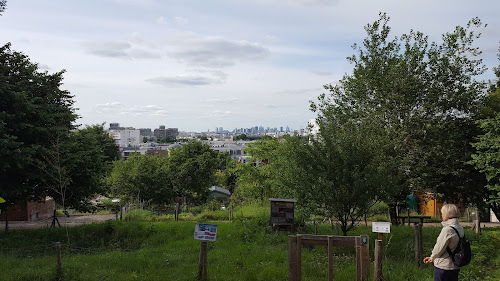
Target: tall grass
(247, 249)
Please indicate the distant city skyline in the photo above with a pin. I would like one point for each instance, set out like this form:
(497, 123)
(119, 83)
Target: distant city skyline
(198, 65)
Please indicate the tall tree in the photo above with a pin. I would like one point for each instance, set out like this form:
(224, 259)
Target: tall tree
(78, 164)
(3, 5)
(192, 168)
(33, 109)
(425, 98)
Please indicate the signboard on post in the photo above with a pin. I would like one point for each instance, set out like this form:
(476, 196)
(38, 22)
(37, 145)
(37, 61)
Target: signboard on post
(381, 227)
(205, 232)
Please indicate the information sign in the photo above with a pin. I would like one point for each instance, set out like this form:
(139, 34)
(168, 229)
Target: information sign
(205, 232)
(381, 227)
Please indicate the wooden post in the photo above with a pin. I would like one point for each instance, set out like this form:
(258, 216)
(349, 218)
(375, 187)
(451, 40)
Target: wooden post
(358, 258)
(298, 276)
(478, 222)
(418, 244)
(377, 267)
(292, 257)
(365, 257)
(202, 264)
(330, 258)
(59, 260)
(315, 228)
(176, 211)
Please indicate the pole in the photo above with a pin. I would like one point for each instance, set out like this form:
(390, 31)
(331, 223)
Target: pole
(59, 260)
(478, 222)
(418, 244)
(377, 272)
(202, 264)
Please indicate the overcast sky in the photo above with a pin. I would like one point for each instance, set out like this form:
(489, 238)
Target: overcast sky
(200, 64)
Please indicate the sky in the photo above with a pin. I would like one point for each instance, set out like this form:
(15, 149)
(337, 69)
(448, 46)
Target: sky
(200, 64)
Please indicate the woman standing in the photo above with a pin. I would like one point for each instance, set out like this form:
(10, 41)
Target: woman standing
(444, 268)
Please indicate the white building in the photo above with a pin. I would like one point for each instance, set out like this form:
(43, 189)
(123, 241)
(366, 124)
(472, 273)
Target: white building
(126, 137)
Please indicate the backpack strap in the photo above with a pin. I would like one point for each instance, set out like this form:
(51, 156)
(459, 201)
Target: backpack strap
(448, 247)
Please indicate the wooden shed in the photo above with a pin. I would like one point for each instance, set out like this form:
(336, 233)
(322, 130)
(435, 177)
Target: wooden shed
(282, 212)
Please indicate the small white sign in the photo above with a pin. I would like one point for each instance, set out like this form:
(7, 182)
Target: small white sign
(381, 227)
(206, 232)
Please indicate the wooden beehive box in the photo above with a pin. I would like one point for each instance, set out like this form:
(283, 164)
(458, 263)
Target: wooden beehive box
(282, 212)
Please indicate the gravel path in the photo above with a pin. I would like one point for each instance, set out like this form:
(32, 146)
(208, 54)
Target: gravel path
(73, 220)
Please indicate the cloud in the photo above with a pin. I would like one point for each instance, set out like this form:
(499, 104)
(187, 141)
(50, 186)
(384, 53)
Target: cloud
(221, 101)
(183, 80)
(322, 73)
(108, 48)
(181, 20)
(307, 3)
(220, 113)
(135, 48)
(161, 20)
(300, 91)
(43, 67)
(216, 52)
(117, 108)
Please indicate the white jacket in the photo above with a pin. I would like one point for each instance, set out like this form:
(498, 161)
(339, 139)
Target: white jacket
(447, 237)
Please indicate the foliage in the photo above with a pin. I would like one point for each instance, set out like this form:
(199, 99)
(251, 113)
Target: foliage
(425, 99)
(340, 175)
(33, 112)
(158, 180)
(487, 157)
(192, 168)
(251, 138)
(142, 178)
(256, 181)
(3, 4)
(77, 165)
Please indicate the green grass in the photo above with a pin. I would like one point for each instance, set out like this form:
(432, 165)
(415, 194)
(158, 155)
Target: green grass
(161, 249)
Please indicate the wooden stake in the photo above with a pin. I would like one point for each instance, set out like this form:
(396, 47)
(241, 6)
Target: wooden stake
(292, 257)
(59, 260)
(377, 267)
(418, 244)
(330, 258)
(478, 222)
(202, 264)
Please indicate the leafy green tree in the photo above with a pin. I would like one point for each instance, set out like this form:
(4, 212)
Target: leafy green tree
(487, 158)
(192, 168)
(340, 174)
(142, 179)
(256, 181)
(425, 98)
(3, 5)
(33, 109)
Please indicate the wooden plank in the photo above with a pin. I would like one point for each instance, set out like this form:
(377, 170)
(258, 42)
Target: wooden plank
(377, 266)
(322, 240)
(299, 258)
(292, 257)
(365, 258)
(330, 258)
(358, 258)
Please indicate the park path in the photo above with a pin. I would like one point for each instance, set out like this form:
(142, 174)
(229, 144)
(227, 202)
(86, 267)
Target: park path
(73, 220)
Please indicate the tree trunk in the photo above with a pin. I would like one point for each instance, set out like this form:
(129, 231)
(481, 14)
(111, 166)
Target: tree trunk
(6, 220)
(393, 213)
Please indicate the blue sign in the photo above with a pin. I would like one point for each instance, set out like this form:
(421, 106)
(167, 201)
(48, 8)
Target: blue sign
(206, 232)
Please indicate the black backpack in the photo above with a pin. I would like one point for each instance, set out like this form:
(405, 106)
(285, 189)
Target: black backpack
(462, 254)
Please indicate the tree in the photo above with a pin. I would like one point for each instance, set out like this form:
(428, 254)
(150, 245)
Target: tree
(87, 159)
(425, 98)
(3, 5)
(487, 158)
(340, 174)
(143, 179)
(33, 109)
(192, 168)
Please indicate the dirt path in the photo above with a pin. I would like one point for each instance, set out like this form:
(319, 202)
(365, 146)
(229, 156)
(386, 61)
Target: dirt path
(73, 220)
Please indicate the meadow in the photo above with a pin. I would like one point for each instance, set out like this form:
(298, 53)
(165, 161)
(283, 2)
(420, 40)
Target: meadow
(149, 247)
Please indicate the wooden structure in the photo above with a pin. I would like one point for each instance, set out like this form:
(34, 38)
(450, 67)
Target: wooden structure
(30, 211)
(282, 212)
(420, 219)
(361, 243)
